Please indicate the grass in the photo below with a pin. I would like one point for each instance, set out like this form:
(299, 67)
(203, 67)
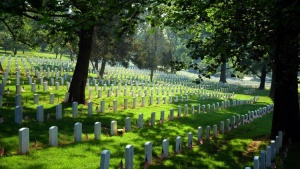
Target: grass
(234, 149)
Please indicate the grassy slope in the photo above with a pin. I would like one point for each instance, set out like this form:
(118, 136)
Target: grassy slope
(231, 150)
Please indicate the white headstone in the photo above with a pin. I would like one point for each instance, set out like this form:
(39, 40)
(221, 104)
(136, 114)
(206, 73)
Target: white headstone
(53, 136)
(102, 106)
(178, 147)
(152, 118)
(268, 156)
(215, 131)
(97, 130)
(40, 113)
(141, 121)
(58, 111)
(128, 124)
(129, 152)
(256, 162)
(75, 109)
(113, 128)
(52, 95)
(262, 159)
(24, 140)
(273, 150)
(77, 132)
(90, 108)
(148, 152)
(199, 134)
(18, 115)
(207, 132)
(162, 116)
(36, 98)
(165, 146)
(190, 140)
(105, 157)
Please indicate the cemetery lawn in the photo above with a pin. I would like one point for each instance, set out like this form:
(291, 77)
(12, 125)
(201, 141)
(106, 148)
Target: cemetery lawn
(234, 149)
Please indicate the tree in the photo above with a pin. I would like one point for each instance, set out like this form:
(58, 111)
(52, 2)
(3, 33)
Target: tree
(150, 49)
(236, 29)
(76, 17)
(109, 47)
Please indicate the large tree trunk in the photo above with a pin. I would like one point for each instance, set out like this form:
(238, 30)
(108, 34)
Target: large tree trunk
(96, 64)
(151, 75)
(263, 75)
(15, 51)
(272, 88)
(71, 57)
(223, 73)
(77, 87)
(102, 69)
(286, 105)
(1, 68)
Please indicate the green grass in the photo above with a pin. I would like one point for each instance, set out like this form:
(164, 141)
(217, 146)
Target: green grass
(234, 149)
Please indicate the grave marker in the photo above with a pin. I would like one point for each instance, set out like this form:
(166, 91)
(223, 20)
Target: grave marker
(207, 132)
(148, 151)
(77, 132)
(40, 113)
(53, 136)
(262, 159)
(97, 130)
(268, 156)
(90, 108)
(113, 128)
(105, 157)
(128, 124)
(18, 115)
(75, 109)
(141, 121)
(24, 140)
(129, 152)
(178, 147)
(165, 148)
(199, 134)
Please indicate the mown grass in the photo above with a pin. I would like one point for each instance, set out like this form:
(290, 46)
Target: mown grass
(234, 149)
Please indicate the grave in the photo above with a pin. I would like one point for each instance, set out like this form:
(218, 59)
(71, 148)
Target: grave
(24, 140)
(105, 157)
(113, 128)
(40, 113)
(148, 152)
(97, 130)
(77, 132)
(53, 136)
(129, 152)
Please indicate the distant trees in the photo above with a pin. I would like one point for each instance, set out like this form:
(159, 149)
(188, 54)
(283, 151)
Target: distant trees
(151, 49)
(109, 47)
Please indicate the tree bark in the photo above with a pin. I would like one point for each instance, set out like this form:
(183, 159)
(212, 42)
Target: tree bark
(272, 91)
(1, 68)
(71, 57)
(223, 73)
(102, 69)
(151, 75)
(263, 75)
(96, 64)
(77, 87)
(15, 51)
(286, 104)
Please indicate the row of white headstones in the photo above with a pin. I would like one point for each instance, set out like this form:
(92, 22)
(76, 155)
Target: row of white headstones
(267, 157)
(129, 149)
(163, 75)
(204, 108)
